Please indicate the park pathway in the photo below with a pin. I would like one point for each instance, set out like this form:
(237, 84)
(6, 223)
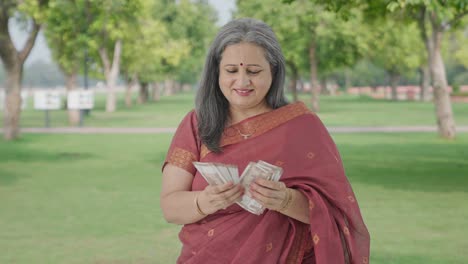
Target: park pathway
(147, 130)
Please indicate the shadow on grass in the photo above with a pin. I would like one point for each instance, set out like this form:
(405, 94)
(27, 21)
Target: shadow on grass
(24, 154)
(408, 259)
(421, 167)
(386, 258)
(20, 153)
(8, 177)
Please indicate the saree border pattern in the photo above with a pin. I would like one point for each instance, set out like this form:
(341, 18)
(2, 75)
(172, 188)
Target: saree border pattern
(259, 125)
(300, 245)
(183, 159)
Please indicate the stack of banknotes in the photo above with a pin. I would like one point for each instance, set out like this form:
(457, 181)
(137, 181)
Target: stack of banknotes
(217, 173)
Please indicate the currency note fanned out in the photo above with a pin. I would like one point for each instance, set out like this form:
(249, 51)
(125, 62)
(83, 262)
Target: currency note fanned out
(218, 173)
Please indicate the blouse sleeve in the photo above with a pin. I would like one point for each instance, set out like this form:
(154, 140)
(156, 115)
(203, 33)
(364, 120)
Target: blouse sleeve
(185, 146)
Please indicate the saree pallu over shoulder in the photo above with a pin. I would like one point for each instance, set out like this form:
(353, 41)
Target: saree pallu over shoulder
(294, 138)
(259, 124)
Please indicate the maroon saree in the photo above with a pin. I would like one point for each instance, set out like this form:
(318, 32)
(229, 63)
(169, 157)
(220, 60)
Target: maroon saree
(295, 139)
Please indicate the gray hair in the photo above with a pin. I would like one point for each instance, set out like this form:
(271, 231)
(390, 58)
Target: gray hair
(211, 107)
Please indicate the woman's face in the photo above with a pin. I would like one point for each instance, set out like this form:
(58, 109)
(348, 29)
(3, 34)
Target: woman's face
(245, 77)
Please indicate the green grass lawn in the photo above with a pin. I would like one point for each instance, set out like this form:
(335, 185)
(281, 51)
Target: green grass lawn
(335, 111)
(95, 198)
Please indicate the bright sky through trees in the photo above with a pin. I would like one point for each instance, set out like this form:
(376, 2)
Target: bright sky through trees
(42, 52)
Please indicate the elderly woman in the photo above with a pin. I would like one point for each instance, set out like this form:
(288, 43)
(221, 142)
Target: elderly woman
(242, 115)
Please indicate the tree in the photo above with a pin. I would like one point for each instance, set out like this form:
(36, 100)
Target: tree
(154, 49)
(434, 17)
(441, 16)
(64, 31)
(42, 74)
(109, 24)
(307, 30)
(192, 23)
(195, 21)
(366, 73)
(286, 27)
(461, 53)
(145, 48)
(33, 13)
(395, 47)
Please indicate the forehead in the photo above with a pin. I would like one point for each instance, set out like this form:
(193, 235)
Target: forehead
(246, 53)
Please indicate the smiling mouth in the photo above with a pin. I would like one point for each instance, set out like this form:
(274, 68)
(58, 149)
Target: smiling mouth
(243, 92)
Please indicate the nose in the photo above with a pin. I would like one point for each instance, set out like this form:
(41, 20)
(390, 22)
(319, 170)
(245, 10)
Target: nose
(243, 79)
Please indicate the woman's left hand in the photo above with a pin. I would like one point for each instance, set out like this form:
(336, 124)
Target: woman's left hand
(270, 194)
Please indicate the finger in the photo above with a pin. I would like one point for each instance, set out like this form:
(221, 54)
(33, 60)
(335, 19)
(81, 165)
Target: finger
(232, 199)
(265, 191)
(270, 184)
(215, 189)
(238, 193)
(237, 190)
(267, 202)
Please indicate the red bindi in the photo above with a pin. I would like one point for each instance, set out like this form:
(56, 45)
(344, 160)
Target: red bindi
(241, 64)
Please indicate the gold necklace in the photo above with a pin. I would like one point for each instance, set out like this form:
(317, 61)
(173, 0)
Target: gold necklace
(245, 136)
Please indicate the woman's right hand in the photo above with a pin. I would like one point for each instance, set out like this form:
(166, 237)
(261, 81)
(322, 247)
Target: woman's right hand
(214, 198)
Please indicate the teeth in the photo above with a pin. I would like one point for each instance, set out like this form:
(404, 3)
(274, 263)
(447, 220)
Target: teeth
(243, 91)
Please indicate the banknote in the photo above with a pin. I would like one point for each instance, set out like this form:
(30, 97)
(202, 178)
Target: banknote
(253, 171)
(219, 173)
(277, 171)
(210, 173)
(229, 172)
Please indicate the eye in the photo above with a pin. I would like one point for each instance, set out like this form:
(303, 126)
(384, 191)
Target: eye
(231, 70)
(253, 72)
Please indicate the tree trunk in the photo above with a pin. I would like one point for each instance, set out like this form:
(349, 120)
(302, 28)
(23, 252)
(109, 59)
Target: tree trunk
(156, 92)
(443, 105)
(13, 61)
(144, 93)
(131, 82)
(425, 69)
(394, 80)
(323, 86)
(128, 92)
(12, 109)
(70, 84)
(186, 87)
(293, 84)
(292, 87)
(168, 87)
(128, 95)
(111, 99)
(425, 82)
(111, 72)
(177, 87)
(301, 85)
(313, 77)
(347, 79)
(333, 87)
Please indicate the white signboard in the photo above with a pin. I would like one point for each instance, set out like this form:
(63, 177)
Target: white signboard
(47, 100)
(80, 99)
(24, 99)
